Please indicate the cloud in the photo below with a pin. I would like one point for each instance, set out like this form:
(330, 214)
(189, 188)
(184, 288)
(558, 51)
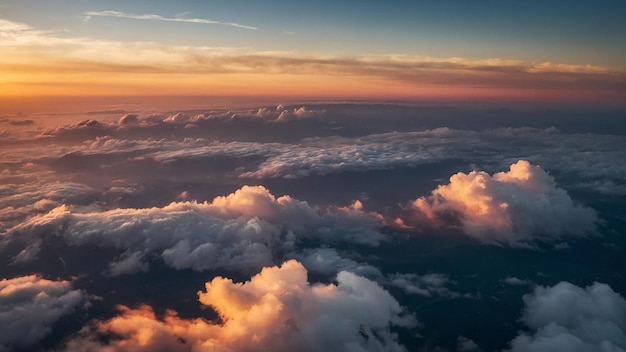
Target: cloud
(29, 307)
(128, 119)
(427, 285)
(277, 310)
(465, 344)
(27, 122)
(299, 113)
(128, 263)
(19, 201)
(515, 281)
(277, 114)
(327, 261)
(243, 231)
(520, 205)
(87, 15)
(569, 318)
(244, 133)
(66, 60)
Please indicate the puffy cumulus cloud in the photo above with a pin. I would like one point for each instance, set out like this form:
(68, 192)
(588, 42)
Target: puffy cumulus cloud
(569, 318)
(299, 113)
(128, 119)
(245, 230)
(29, 306)
(268, 114)
(277, 310)
(509, 207)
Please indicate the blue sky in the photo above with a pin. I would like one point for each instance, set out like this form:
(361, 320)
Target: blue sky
(576, 32)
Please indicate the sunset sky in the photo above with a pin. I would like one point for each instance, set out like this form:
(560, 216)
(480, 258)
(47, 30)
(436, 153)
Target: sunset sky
(341, 49)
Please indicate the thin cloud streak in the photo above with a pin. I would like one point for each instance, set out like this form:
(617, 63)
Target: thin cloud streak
(118, 14)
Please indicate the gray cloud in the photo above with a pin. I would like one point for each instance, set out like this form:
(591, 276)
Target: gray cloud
(569, 318)
(327, 261)
(515, 281)
(29, 306)
(428, 285)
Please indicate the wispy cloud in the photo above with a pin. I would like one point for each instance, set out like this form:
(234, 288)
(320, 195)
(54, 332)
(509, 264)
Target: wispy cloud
(178, 18)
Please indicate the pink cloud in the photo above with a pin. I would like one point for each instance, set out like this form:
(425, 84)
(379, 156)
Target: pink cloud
(515, 206)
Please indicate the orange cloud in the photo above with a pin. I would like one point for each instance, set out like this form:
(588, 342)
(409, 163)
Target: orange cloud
(509, 207)
(277, 310)
(39, 63)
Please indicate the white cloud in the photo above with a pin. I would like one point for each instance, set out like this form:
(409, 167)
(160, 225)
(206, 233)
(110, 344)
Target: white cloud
(299, 113)
(512, 207)
(568, 318)
(277, 310)
(29, 306)
(245, 230)
(87, 16)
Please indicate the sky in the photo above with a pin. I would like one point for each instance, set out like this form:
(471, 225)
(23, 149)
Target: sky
(350, 49)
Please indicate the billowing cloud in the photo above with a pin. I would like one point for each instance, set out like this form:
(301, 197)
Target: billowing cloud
(245, 230)
(276, 310)
(29, 306)
(568, 318)
(128, 119)
(516, 206)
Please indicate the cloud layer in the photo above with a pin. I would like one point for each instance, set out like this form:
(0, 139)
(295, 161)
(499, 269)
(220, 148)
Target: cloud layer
(516, 206)
(243, 231)
(276, 310)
